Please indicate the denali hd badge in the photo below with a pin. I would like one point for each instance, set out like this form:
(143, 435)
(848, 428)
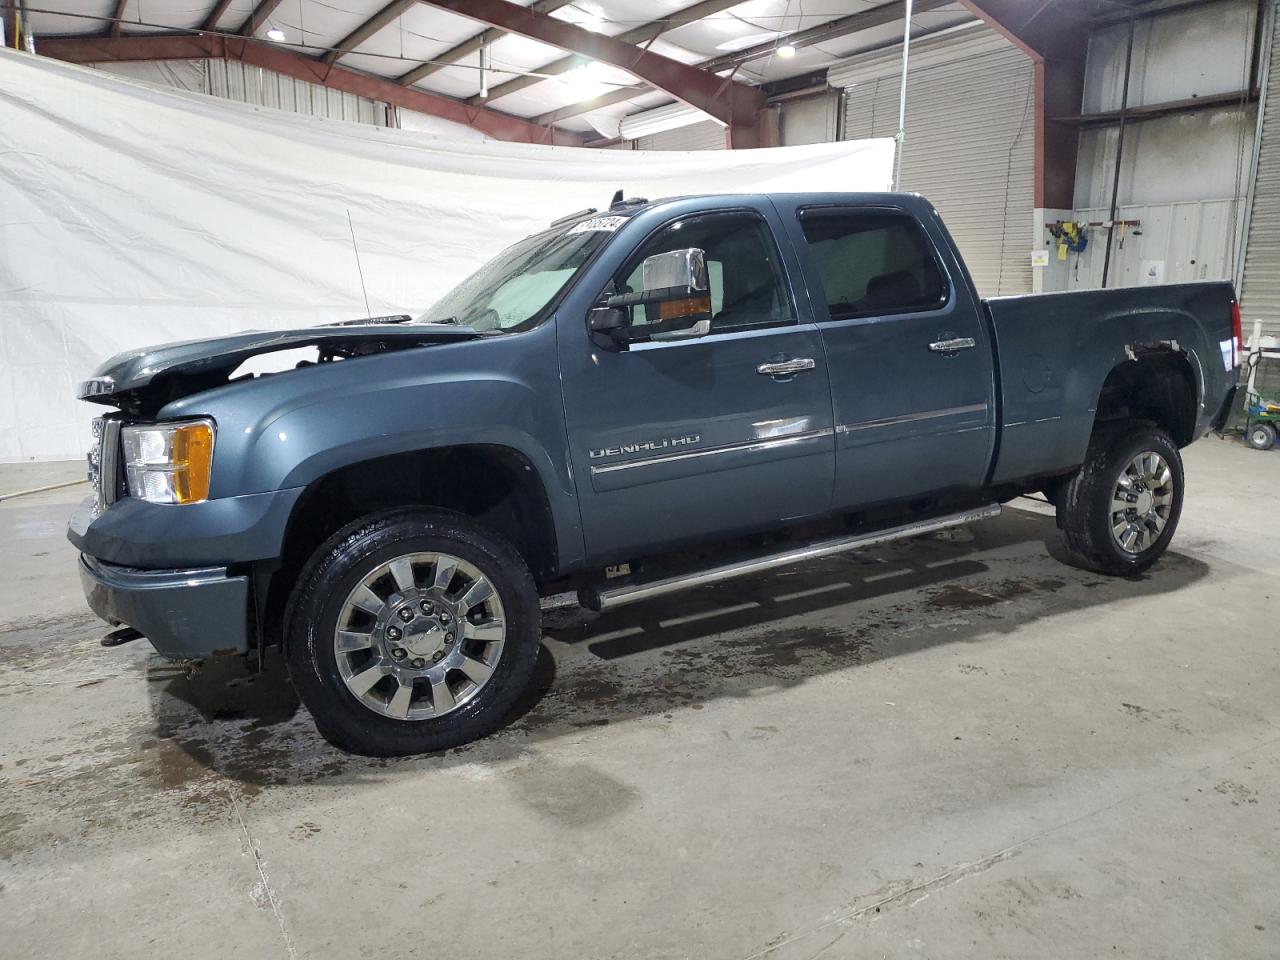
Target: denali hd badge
(666, 443)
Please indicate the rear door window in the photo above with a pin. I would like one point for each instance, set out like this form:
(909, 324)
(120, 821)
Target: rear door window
(873, 263)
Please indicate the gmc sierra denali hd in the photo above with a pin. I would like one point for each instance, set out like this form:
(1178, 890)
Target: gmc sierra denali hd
(623, 385)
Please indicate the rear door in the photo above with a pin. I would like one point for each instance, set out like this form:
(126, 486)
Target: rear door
(912, 376)
(673, 441)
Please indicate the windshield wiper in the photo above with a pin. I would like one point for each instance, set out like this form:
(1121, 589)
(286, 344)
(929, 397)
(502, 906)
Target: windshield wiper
(365, 321)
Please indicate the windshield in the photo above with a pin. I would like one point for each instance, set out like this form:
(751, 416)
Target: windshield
(510, 291)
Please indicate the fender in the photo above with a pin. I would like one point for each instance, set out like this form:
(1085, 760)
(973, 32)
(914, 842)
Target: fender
(288, 430)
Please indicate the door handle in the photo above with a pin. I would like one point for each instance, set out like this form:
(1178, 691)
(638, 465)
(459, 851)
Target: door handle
(953, 345)
(785, 368)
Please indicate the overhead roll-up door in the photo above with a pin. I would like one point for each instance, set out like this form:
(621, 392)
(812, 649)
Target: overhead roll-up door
(707, 135)
(970, 145)
(1260, 290)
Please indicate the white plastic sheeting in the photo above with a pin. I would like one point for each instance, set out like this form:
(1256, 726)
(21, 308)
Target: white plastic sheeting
(131, 215)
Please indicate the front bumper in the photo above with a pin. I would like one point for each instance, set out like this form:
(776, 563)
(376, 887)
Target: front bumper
(134, 533)
(186, 614)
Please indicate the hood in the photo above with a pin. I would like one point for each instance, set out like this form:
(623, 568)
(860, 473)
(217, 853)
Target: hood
(142, 380)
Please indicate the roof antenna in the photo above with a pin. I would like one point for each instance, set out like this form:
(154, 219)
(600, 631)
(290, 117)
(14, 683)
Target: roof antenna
(359, 269)
(616, 201)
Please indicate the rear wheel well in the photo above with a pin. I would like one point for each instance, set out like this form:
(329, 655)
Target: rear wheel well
(1157, 386)
(495, 485)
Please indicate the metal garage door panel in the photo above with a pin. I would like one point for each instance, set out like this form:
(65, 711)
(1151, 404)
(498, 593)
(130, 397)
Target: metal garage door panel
(970, 146)
(707, 135)
(1260, 290)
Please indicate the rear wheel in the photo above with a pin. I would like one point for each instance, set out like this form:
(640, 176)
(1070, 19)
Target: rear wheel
(1119, 512)
(412, 631)
(1261, 436)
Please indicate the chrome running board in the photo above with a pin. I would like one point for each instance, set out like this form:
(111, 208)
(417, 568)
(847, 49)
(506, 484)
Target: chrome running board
(609, 597)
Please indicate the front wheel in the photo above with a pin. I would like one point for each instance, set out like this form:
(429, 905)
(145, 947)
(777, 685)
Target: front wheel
(412, 631)
(1119, 512)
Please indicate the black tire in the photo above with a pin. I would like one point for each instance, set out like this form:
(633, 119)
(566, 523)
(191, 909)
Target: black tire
(1261, 436)
(321, 591)
(1085, 505)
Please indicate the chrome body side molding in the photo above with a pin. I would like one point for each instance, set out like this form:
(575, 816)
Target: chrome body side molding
(746, 446)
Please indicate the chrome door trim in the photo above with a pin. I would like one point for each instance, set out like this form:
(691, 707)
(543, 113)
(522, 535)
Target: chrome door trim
(745, 446)
(953, 345)
(912, 417)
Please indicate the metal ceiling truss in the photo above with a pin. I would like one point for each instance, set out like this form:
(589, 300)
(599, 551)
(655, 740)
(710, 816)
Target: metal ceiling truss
(501, 126)
(732, 102)
(738, 105)
(473, 45)
(261, 14)
(864, 20)
(645, 33)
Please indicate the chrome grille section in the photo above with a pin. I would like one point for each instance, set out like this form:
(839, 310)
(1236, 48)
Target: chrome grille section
(104, 462)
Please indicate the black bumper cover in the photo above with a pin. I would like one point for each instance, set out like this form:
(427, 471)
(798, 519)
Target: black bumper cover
(186, 614)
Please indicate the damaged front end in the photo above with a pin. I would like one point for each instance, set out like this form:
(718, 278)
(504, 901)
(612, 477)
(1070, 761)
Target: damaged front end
(140, 382)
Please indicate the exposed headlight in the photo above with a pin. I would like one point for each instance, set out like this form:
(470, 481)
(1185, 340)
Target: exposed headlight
(169, 462)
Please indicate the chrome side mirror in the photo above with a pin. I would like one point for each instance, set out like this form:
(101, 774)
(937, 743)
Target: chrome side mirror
(676, 282)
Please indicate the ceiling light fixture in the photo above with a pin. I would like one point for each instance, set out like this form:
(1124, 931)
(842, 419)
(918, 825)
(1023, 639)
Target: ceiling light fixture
(787, 51)
(276, 35)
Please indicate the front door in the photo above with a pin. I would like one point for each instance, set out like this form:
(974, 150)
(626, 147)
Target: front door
(911, 363)
(673, 441)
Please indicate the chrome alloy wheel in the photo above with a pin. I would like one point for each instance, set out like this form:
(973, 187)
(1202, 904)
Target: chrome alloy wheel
(1141, 502)
(419, 636)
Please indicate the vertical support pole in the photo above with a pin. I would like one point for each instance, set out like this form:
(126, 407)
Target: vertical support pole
(901, 138)
(484, 73)
(1115, 182)
(28, 38)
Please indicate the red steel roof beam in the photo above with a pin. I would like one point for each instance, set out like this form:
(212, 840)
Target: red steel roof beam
(499, 125)
(727, 100)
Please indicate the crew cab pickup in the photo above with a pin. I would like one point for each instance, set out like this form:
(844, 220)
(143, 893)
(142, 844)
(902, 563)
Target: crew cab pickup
(604, 394)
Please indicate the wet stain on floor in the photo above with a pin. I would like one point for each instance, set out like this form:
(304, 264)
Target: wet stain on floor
(224, 735)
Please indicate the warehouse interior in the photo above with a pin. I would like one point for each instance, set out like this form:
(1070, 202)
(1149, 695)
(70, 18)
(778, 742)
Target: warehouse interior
(954, 744)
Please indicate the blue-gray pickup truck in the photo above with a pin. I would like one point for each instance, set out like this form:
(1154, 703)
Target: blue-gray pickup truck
(393, 508)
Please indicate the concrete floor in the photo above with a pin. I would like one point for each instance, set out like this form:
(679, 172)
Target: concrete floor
(944, 748)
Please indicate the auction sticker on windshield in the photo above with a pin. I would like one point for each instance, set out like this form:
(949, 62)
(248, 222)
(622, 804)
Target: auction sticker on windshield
(598, 225)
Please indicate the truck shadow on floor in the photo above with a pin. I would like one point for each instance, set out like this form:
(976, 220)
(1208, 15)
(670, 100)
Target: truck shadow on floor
(739, 638)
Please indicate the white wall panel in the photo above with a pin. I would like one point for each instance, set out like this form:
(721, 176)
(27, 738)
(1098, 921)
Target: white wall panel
(1192, 53)
(233, 80)
(1184, 242)
(1186, 156)
(810, 119)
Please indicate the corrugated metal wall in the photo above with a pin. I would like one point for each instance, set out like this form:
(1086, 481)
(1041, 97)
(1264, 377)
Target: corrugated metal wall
(707, 135)
(233, 80)
(1181, 242)
(1260, 290)
(969, 146)
(248, 84)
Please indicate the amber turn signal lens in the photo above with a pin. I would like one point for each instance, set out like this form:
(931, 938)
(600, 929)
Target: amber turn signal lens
(686, 307)
(192, 461)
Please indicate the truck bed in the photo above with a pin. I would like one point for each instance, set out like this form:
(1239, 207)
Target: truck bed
(1055, 351)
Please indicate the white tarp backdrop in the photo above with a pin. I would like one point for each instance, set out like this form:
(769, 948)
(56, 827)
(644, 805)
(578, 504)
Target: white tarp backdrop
(131, 215)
